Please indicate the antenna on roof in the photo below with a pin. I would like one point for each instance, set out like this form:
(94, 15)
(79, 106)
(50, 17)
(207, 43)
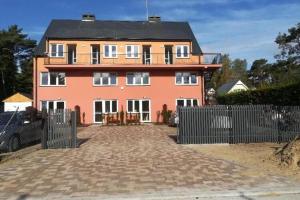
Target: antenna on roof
(147, 12)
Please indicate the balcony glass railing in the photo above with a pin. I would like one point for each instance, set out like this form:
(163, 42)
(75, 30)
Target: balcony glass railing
(143, 58)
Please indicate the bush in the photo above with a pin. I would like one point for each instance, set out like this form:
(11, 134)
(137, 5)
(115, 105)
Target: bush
(279, 95)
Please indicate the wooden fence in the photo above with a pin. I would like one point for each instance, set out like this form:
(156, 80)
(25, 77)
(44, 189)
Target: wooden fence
(60, 129)
(237, 124)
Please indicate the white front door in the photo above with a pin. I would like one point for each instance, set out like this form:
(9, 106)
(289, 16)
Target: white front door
(142, 107)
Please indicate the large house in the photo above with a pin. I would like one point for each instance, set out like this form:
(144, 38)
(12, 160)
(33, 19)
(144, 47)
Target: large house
(105, 67)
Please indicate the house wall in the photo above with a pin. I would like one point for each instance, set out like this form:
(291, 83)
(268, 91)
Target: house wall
(83, 50)
(79, 89)
(12, 106)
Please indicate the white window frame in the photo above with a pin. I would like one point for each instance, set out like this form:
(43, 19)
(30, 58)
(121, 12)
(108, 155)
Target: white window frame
(103, 108)
(182, 51)
(56, 53)
(98, 54)
(48, 84)
(140, 108)
(190, 78)
(110, 51)
(54, 104)
(132, 53)
(134, 79)
(109, 79)
(185, 101)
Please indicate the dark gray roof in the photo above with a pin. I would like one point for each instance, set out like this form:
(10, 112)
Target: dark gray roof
(223, 89)
(118, 30)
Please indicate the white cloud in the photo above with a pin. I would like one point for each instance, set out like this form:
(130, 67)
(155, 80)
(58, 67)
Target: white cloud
(244, 33)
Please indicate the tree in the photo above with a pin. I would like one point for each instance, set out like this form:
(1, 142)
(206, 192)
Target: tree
(222, 75)
(239, 70)
(289, 44)
(260, 73)
(16, 52)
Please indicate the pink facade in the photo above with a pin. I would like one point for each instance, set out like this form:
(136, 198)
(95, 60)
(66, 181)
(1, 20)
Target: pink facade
(80, 91)
(108, 76)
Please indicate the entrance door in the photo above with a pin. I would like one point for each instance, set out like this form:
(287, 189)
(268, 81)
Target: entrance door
(142, 107)
(98, 113)
(71, 53)
(95, 54)
(145, 110)
(168, 54)
(146, 55)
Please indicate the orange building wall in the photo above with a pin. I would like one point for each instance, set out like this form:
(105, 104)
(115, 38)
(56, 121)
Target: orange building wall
(83, 49)
(79, 89)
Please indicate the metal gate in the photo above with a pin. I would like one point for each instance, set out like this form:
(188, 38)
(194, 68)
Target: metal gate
(238, 124)
(60, 129)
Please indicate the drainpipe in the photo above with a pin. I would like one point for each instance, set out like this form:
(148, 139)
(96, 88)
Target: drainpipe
(35, 82)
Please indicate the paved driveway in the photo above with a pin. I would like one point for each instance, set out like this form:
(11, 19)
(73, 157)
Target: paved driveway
(125, 161)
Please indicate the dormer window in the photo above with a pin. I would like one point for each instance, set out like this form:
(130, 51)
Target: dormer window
(182, 51)
(110, 51)
(56, 50)
(132, 51)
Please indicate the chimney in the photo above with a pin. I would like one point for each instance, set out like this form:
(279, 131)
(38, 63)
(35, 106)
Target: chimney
(88, 17)
(154, 18)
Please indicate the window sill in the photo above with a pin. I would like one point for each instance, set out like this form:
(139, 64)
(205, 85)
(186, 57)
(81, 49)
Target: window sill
(53, 85)
(187, 84)
(105, 85)
(138, 85)
(110, 57)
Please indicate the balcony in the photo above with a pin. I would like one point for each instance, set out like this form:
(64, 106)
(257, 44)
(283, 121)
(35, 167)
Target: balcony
(145, 59)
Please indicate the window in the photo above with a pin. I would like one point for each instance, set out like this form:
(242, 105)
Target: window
(187, 102)
(138, 78)
(53, 78)
(182, 51)
(132, 51)
(56, 50)
(102, 107)
(105, 78)
(95, 54)
(52, 105)
(186, 78)
(110, 51)
(133, 106)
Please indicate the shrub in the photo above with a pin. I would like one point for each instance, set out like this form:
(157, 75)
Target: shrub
(278, 95)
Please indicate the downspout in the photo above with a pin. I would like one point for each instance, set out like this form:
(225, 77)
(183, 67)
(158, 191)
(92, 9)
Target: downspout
(203, 90)
(35, 82)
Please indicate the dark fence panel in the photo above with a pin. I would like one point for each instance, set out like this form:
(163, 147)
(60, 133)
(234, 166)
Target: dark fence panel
(59, 129)
(237, 124)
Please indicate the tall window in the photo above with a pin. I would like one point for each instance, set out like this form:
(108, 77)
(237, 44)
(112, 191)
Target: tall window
(182, 51)
(110, 51)
(52, 105)
(186, 78)
(186, 102)
(53, 78)
(56, 50)
(132, 51)
(102, 107)
(105, 78)
(138, 78)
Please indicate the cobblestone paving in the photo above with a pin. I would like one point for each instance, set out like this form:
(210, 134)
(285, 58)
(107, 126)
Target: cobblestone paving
(123, 160)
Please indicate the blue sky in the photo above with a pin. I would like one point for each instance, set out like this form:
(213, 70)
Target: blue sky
(242, 28)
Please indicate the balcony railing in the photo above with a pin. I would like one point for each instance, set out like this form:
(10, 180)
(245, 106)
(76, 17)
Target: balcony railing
(143, 58)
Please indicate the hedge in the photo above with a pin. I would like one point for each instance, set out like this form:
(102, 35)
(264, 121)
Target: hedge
(279, 95)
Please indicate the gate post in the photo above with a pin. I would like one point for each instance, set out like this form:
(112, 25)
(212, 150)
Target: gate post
(44, 136)
(231, 122)
(73, 130)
